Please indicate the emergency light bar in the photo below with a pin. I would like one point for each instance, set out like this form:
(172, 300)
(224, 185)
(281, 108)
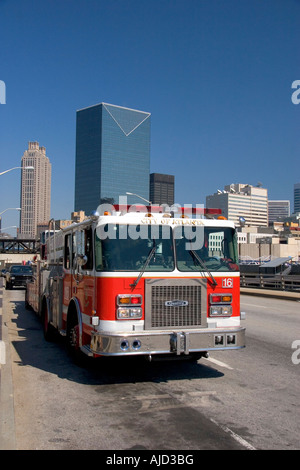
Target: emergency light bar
(160, 209)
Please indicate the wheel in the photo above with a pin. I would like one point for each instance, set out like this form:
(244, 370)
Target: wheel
(73, 337)
(48, 329)
(194, 357)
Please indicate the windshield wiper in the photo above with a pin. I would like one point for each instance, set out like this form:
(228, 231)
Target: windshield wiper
(195, 256)
(149, 257)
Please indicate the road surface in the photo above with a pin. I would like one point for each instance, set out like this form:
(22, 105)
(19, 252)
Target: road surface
(245, 399)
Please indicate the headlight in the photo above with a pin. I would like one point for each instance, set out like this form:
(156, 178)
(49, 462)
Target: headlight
(221, 310)
(220, 305)
(129, 313)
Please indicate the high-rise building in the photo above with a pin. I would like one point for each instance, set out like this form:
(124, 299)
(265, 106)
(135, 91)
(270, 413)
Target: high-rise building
(242, 200)
(278, 209)
(112, 155)
(297, 197)
(35, 189)
(161, 189)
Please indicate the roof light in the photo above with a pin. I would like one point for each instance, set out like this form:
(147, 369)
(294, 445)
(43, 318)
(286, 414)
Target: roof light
(94, 216)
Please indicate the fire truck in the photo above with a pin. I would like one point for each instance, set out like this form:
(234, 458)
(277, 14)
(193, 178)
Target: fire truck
(137, 280)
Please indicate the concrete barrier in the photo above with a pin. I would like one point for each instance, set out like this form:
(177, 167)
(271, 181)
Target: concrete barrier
(287, 295)
(2, 344)
(7, 414)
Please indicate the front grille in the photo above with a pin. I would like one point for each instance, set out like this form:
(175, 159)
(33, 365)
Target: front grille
(175, 304)
(22, 279)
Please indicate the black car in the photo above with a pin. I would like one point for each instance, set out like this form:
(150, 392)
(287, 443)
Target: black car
(18, 276)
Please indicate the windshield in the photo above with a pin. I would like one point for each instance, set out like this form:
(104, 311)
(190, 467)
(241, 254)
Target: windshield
(21, 269)
(122, 247)
(216, 248)
(126, 248)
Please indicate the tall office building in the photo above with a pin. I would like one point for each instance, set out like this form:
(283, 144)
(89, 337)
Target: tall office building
(242, 200)
(278, 209)
(161, 189)
(35, 189)
(297, 197)
(112, 155)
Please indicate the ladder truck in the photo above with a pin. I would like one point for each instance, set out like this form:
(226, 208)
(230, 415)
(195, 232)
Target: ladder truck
(137, 280)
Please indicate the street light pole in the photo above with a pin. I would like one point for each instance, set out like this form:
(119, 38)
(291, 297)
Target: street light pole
(16, 168)
(5, 228)
(11, 208)
(6, 171)
(137, 195)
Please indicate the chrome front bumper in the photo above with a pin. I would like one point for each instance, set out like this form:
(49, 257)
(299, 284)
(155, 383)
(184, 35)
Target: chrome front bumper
(166, 342)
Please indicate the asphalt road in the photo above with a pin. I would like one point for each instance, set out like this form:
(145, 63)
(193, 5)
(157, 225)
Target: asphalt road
(245, 399)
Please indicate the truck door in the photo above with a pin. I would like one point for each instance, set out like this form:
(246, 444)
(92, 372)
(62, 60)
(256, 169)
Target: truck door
(68, 259)
(83, 279)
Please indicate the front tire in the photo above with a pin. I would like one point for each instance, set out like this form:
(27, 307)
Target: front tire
(73, 338)
(48, 329)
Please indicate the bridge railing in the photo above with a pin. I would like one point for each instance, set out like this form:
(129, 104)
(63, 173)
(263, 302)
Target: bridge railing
(18, 245)
(266, 281)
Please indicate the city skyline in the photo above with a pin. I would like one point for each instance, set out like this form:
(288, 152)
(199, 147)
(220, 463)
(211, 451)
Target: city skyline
(234, 189)
(296, 201)
(35, 189)
(112, 155)
(162, 189)
(216, 78)
(241, 200)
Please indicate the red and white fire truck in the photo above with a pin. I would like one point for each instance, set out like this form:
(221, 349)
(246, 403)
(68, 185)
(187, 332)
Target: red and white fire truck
(141, 281)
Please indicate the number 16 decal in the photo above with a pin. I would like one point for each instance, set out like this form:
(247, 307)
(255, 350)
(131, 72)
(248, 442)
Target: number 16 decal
(227, 282)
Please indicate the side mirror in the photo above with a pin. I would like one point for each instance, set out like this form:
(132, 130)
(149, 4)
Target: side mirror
(81, 260)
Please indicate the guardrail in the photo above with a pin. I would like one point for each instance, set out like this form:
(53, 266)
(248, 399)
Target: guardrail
(266, 281)
(18, 245)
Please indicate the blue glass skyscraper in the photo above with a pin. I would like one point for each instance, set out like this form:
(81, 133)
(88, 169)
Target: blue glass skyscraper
(112, 155)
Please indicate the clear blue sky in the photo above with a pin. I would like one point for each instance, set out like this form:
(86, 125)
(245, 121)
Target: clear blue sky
(215, 75)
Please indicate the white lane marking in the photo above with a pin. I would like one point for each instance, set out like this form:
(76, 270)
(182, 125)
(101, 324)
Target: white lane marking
(235, 436)
(253, 305)
(2, 353)
(218, 363)
(148, 402)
